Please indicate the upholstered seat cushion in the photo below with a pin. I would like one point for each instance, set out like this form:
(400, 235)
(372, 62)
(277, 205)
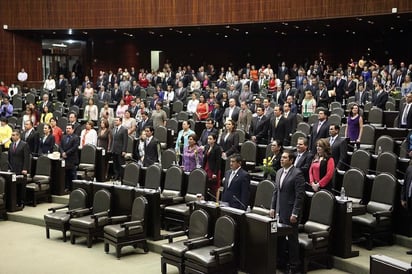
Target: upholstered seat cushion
(307, 243)
(57, 217)
(87, 167)
(202, 256)
(176, 249)
(88, 222)
(118, 231)
(182, 209)
(370, 221)
(37, 187)
(260, 210)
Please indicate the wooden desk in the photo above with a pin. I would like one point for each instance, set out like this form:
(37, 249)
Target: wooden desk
(13, 194)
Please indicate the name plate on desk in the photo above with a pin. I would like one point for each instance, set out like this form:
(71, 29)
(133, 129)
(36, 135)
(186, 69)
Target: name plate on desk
(13, 178)
(274, 227)
(349, 207)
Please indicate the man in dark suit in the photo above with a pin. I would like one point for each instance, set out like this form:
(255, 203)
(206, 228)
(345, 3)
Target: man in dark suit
(77, 99)
(381, 97)
(117, 94)
(278, 125)
(339, 147)
(145, 122)
(303, 158)
(19, 162)
(350, 87)
(46, 103)
(103, 96)
(259, 128)
(236, 185)
(291, 122)
(181, 92)
(231, 112)
(135, 89)
(69, 151)
(339, 86)
(74, 82)
(207, 131)
(76, 125)
(287, 202)
(320, 129)
(322, 96)
(405, 113)
(31, 136)
(288, 91)
(133, 108)
(151, 149)
(119, 147)
(406, 193)
(61, 88)
(361, 96)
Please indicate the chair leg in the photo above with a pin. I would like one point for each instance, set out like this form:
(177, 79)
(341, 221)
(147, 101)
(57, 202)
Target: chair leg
(72, 239)
(34, 199)
(369, 242)
(305, 265)
(118, 252)
(163, 266)
(145, 247)
(89, 241)
(106, 247)
(47, 233)
(64, 236)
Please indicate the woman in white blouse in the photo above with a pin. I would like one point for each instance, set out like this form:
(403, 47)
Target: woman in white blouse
(192, 104)
(91, 111)
(49, 84)
(88, 135)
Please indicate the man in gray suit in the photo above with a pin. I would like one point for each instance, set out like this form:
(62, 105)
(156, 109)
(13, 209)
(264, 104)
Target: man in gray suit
(119, 147)
(287, 202)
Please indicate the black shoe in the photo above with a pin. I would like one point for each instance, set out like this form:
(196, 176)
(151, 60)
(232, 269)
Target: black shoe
(409, 252)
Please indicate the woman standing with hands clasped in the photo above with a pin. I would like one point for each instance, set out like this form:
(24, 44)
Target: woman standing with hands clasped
(211, 164)
(322, 168)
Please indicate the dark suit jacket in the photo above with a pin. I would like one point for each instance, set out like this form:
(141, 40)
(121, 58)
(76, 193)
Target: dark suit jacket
(61, 85)
(239, 187)
(350, 87)
(78, 102)
(151, 152)
(304, 164)
(106, 97)
(406, 185)
(70, 146)
(381, 100)
(205, 133)
(231, 145)
(323, 98)
(288, 199)
(235, 113)
(217, 116)
(140, 126)
(49, 105)
(279, 132)
(340, 89)
(120, 139)
(46, 144)
(19, 159)
(408, 119)
(365, 97)
(213, 158)
(339, 152)
(117, 95)
(181, 95)
(316, 135)
(291, 124)
(32, 140)
(260, 129)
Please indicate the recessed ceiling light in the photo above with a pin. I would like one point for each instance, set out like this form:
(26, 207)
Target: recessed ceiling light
(70, 31)
(246, 32)
(228, 27)
(264, 27)
(225, 36)
(189, 34)
(306, 30)
(315, 32)
(327, 25)
(217, 33)
(296, 27)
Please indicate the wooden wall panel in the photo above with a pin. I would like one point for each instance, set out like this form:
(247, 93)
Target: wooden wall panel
(99, 14)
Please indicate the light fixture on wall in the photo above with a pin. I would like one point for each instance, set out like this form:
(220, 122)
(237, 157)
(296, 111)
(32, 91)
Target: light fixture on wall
(61, 45)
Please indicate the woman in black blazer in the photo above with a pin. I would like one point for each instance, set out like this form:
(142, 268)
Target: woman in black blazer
(212, 163)
(46, 145)
(229, 140)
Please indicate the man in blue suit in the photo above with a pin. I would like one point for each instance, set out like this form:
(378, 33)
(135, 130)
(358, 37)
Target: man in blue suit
(236, 187)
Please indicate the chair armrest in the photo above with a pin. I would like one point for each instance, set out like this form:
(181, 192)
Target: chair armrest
(178, 200)
(380, 214)
(220, 250)
(119, 219)
(79, 212)
(176, 234)
(53, 209)
(99, 215)
(197, 243)
(132, 223)
(318, 234)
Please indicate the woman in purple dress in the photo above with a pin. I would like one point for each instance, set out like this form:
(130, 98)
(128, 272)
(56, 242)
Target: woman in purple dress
(192, 155)
(354, 126)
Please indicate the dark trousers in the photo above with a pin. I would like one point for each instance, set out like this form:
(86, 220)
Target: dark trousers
(118, 161)
(291, 245)
(71, 174)
(21, 190)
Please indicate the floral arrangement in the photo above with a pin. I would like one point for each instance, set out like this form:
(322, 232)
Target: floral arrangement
(267, 166)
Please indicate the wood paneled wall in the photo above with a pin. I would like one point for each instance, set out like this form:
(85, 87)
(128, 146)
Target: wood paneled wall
(80, 14)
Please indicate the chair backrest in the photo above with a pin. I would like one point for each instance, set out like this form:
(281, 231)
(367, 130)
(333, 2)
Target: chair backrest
(295, 137)
(167, 110)
(368, 135)
(4, 161)
(168, 157)
(403, 149)
(321, 212)
(368, 106)
(264, 192)
(161, 134)
(384, 143)
(78, 199)
(334, 105)
(30, 98)
(102, 201)
(131, 174)
(338, 111)
(177, 106)
(130, 144)
(139, 209)
(313, 119)
(43, 166)
(173, 179)
(299, 118)
(198, 224)
(390, 106)
(248, 151)
(75, 108)
(303, 127)
(335, 119)
(150, 91)
(354, 182)
(375, 116)
(62, 123)
(361, 160)
(342, 131)
(172, 124)
(2, 187)
(143, 94)
(242, 135)
(182, 116)
(88, 154)
(383, 193)
(225, 229)
(196, 184)
(387, 162)
(153, 177)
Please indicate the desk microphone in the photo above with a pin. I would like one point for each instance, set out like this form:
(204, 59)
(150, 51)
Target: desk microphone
(336, 191)
(211, 195)
(239, 201)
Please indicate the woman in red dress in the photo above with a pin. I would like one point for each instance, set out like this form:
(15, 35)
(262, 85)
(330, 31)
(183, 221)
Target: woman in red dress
(211, 164)
(202, 110)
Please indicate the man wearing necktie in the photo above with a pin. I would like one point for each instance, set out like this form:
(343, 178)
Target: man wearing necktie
(287, 202)
(338, 147)
(236, 186)
(406, 193)
(119, 147)
(405, 113)
(69, 151)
